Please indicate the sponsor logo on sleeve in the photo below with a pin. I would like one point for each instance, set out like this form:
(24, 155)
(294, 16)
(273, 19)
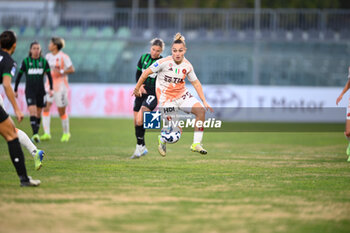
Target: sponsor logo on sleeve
(13, 71)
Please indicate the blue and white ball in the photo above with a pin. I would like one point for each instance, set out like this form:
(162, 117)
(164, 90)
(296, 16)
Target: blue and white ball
(170, 134)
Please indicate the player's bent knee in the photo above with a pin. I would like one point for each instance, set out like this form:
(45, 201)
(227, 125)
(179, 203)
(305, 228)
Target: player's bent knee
(347, 133)
(47, 107)
(62, 111)
(139, 116)
(139, 122)
(11, 137)
(8, 130)
(200, 112)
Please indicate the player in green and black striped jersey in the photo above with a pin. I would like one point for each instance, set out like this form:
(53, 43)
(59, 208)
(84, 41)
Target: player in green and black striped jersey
(35, 67)
(145, 61)
(148, 100)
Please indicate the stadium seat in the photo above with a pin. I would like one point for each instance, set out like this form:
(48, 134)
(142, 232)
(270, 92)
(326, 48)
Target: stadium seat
(76, 32)
(123, 32)
(242, 35)
(70, 46)
(233, 34)
(17, 30)
(23, 45)
(47, 32)
(345, 34)
(29, 32)
(327, 35)
(60, 31)
(100, 45)
(147, 34)
(110, 59)
(192, 35)
(107, 32)
(22, 50)
(116, 46)
(163, 34)
(296, 35)
(83, 45)
(92, 32)
(219, 34)
(314, 34)
(77, 59)
(92, 63)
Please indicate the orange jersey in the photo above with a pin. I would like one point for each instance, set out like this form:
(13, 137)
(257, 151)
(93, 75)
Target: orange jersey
(60, 61)
(170, 83)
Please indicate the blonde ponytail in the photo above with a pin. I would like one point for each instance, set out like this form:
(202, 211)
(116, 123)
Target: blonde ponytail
(179, 39)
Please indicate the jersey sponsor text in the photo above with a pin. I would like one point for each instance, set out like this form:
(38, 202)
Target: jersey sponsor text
(39, 71)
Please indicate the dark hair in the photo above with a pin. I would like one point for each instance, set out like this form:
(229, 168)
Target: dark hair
(7, 39)
(59, 42)
(31, 45)
(158, 42)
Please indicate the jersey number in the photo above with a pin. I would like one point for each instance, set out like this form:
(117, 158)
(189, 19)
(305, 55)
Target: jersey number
(149, 99)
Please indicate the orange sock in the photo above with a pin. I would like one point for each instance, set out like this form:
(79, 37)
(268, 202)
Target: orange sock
(65, 116)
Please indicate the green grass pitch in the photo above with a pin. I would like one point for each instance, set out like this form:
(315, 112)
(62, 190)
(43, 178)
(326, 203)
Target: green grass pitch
(248, 182)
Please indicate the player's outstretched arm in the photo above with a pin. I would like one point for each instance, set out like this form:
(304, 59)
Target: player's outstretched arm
(19, 76)
(70, 70)
(6, 82)
(346, 88)
(198, 87)
(142, 79)
(18, 79)
(49, 77)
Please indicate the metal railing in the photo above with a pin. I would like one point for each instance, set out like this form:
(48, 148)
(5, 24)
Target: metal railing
(217, 20)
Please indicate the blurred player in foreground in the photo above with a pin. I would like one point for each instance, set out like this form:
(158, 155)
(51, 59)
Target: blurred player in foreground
(172, 93)
(148, 100)
(60, 65)
(34, 67)
(347, 124)
(7, 127)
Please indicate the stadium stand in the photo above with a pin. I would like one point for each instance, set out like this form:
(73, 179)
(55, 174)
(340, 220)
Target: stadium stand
(292, 47)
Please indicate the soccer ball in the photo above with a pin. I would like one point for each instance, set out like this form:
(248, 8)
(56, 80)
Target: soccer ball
(171, 134)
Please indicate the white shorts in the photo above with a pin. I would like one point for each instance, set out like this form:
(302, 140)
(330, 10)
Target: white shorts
(60, 98)
(348, 111)
(184, 103)
(2, 102)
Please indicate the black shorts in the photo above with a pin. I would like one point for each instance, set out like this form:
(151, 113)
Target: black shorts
(36, 99)
(3, 114)
(149, 101)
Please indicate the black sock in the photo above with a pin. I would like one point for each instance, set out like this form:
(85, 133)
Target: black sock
(33, 123)
(143, 130)
(17, 158)
(140, 133)
(38, 122)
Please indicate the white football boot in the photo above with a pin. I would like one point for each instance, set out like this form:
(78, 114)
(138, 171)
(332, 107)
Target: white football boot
(143, 151)
(30, 183)
(137, 152)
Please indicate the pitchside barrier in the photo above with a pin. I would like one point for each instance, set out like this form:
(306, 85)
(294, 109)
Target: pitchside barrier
(230, 102)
